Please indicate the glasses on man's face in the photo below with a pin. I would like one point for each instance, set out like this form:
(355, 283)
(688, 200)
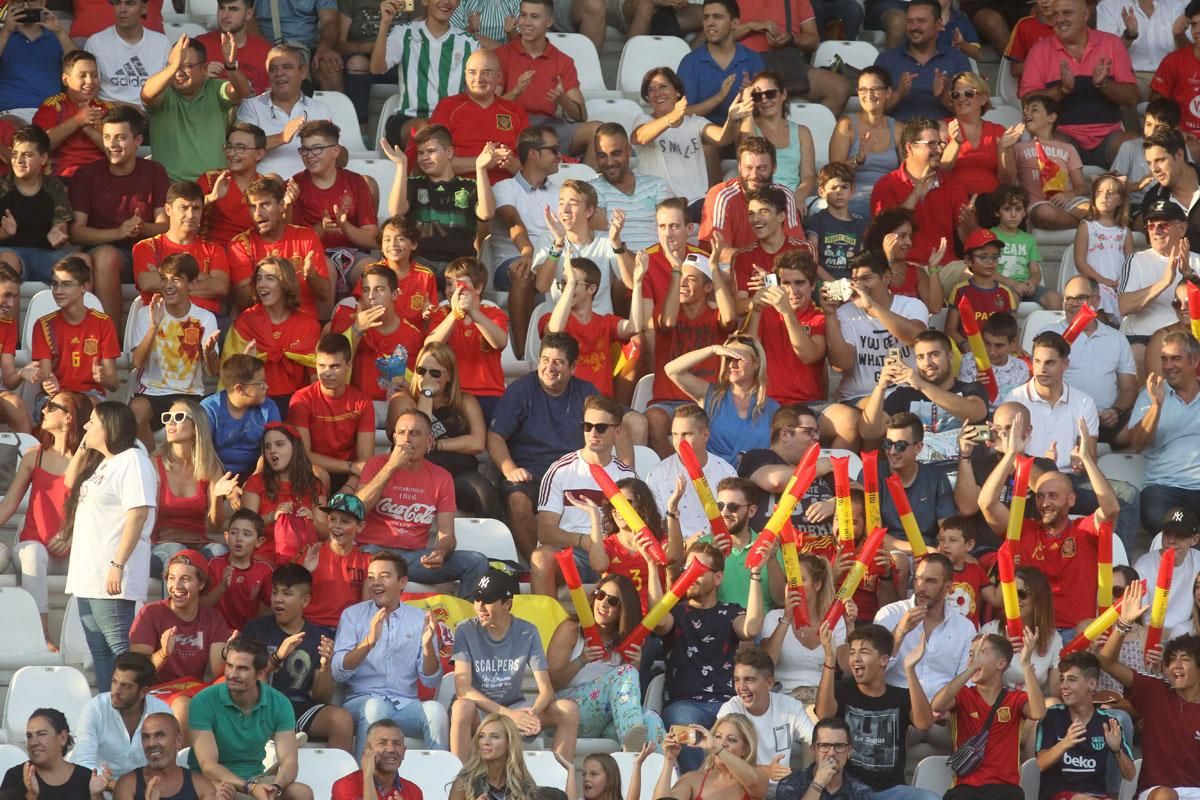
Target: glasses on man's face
(835, 747)
(959, 94)
(932, 144)
(807, 430)
(191, 67)
(175, 417)
(1077, 298)
(63, 284)
(561, 283)
(732, 508)
(553, 148)
(1161, 225)
(240, 149)
(430, 371)
(315, 149)
(899, 445)
(611, 600)
(764, 94)
(258, 384)
(599, 427)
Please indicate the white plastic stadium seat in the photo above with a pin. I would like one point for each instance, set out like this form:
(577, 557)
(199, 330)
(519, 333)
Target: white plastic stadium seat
(173, 30)
(31, 688)
(11, 755)
(859, 55)
(1066, 269)
(488, 536)
(545, 769)
(24, 644)
(653, 700)
(855, 463)
(533, 338)
(651, 769)
(642, 393)
(1004, 115)
(390, 107)
(383, 171)
(320, 768)
(342, 111)
(642, 54)
(579, 172)
(644, 460)
(821, 124)
(1049, 238)
(933, 773)
(1130, 467)
(1035, 323)
(587, 63)
(619, 110)
(1129, 788)
(202, 12)
(72, 644)
(1006, 84)
(431, 770)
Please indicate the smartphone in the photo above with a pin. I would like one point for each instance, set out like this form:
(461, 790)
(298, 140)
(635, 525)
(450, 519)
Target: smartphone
(893, 355)
(683, 734)
(407, 6)
(770, 279)
(980, 433)
(29, 16)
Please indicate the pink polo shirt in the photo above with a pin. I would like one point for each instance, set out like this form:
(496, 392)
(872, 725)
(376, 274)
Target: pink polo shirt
(548, 67)
(1087, 116)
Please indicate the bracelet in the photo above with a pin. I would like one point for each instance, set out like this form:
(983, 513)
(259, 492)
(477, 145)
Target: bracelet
(672, 514)
(755, 575)
(814, 785)
(1123, 627)
(552, 253)
(620, 249)
(276, 660)
(116, 565)
(830, 667)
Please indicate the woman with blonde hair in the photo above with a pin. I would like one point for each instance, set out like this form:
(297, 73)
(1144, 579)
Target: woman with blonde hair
(738, 408)
(192, 486)
(797, 652)
(496, 769)
(730, 767)
(975, 147)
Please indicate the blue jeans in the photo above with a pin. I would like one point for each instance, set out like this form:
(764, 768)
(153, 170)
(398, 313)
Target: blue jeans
(1158, 500)
(904, 793)
(427, 720)
(501, 278)
(464, 566)
(163, 552)
(691, 712)
(106, 624)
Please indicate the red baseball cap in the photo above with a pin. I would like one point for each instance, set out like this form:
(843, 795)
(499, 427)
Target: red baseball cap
(192, 558)
(981, 237)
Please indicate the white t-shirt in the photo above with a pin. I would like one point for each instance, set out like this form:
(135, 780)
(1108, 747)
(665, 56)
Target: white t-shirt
(661, 481)
(1144, 269)
(1179, 601)
(284, 160)
(1096, 362)
(572, 474)
(797, 665)
(176, 363)
(784, 723)
(122, 482)
(600, 251)
(872, 341)
(1014, 676)
(946, 650)
(530, 204)
(677, 156)
(125, 66)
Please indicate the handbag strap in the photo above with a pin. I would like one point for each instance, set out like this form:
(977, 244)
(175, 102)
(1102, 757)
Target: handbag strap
(992, 714)
(787, 11)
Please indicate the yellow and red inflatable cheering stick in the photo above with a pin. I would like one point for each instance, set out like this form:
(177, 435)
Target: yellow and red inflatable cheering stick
(1016, 509)
(842, 509)
(1008, 591)
(720, 533)
(628, 513)
(870, 482)
(678, 589)
(802, 478)
(854, 577)
(1158, 606)
(583, 609)
(907, 520)
(983, 364)
(1193, 295)
(1104, 574)
(1098, 627)
(1083, 318)
(795, 578)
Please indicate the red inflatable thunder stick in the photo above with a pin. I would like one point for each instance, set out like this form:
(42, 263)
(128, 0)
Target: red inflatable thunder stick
(854, 577)
(633, 519)
(802, 478)
(587, 623)
(678, 589)
(1083, 318)
(1008, 590)
(687, 456)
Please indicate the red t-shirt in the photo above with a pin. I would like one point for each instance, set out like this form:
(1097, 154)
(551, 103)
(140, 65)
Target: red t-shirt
(1002, 757)
(479, 369)
(350, 787)
(1069, 563)
(193, 640)
(337, 585)
(630, 564)
(406, 514)
(349, 193)
(109, 200)
(414, 290)
(726, 209)
(658, 273)
(93, 16)
(296, 334)
(72, 349)
(333, 423)
(595, 348)
(866, 596)
(248, 589)
(552, 66)
(1025, 34)
(774, 11)
(965, 593)
(230, 215)
(8, 336)
(252, 58)
(266, 506)
(472, 126)
(984, 302)
(373, 344)
(935, 216)
(686, 336)
(1171, 743)
(77, 149)
(790, 380)
(249, 248)
(753, 256)
(149, 253)
(1178, 77)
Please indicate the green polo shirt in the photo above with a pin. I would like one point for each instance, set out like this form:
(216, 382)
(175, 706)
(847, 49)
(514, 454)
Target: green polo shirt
(241, 736)
(189, 135)
(735, 584)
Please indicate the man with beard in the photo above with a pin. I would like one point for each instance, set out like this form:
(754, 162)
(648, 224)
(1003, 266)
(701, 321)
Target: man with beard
(735, 501)
(380, 765)
(932, 392)
(384, 648)
(689, 424)
(161, 777)
(111, 723)
(926, 485)
(1065, 549)
(726, 206)
(620, 190)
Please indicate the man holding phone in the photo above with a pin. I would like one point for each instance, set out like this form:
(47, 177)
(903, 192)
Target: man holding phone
(380, 767)
(32, 45)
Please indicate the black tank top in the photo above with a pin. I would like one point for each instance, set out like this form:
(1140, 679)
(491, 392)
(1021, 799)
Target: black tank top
(186, 792)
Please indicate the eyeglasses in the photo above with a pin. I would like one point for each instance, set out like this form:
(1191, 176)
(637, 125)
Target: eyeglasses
(872, 90)
(931, 143)
(808, 430)
(190, 67)
(599, 427)
(732, 508)
(553, 148)
(611, 600)
(764, 94)
(837, 747)
(1022, 594)
(1162, 225)
(958, 94)
(57, 406)
(260, 384)
(898, 445)
(561, 284)
(1077, 298)
(315, 149)
(175, 417)
(63, 284)
(240, 149)
(430, 371)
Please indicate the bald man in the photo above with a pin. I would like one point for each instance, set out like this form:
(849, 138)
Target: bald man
(161, 742)
(480, 115)
(1066, 550)
(978, 457)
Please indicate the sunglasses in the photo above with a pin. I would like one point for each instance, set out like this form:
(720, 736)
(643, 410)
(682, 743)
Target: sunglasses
(611, 600)
(553, 148)
(430, 371)
(57, 406)
(733, 508)
(1177, 305)
(958, 94)
(899, 446)
(764, 94)
(1161, 225)
(1022, 594)
(599, 427)
(175, 417)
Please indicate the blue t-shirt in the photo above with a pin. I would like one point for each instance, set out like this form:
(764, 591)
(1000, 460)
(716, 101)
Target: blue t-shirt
(539, 428)
(1082, 768)
(297, 19)
(958, 21)
(729, 434)
(931, 498)
(702, 77)
(238, 441)
(295, 678)
(30, 70)
(837, 240)
(920, 102)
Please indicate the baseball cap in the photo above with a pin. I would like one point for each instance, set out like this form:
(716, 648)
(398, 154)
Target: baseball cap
(192, 558)
(1165, 209)
(980, 237)
(1180, 522)
(700, 262)
(347, 504)
(496, 584)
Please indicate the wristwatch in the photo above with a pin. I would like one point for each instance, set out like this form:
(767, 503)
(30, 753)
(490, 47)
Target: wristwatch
(231, 67)
(620, 248)
(427, 392)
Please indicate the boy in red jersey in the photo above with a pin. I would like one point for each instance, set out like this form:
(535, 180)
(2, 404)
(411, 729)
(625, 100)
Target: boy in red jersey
(226, 207)
(184, 207)
(75, 346)
(999, 772)
(240, 583)
(12, 408)
(982, 286)
(1026, 33)
(767, 210)
(970, 585)
(416, 284)
(475, 329)
(338, 567)
(791, 328)
(674, 230)
(72, 118)
(335, 420)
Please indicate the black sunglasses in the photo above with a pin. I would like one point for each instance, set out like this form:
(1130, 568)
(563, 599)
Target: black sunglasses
(57, 406)
(1022, 594)
(553, 148)
(764, 94)
(899, 446)
(732, 507)
(600, 427)
(611, 600)
(431, 372)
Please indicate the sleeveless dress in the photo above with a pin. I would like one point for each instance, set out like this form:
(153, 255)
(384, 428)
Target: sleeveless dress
(875, 167)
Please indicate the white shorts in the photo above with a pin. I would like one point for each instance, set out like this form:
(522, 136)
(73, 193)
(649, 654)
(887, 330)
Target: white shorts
(1184, 792)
